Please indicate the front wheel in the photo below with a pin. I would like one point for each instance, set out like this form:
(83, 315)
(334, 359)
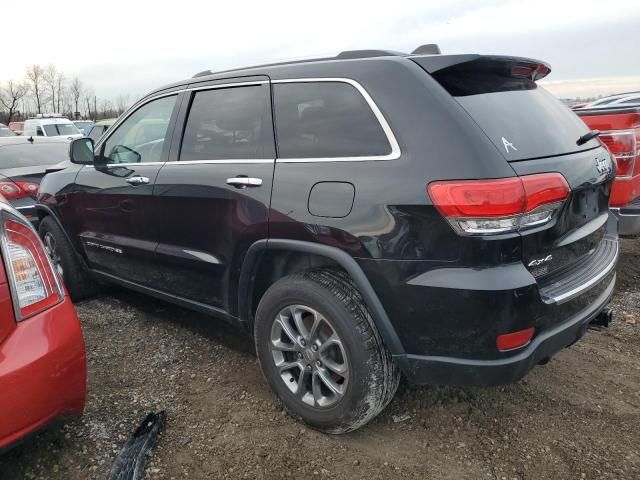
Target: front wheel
(321, 353)
(75, 277)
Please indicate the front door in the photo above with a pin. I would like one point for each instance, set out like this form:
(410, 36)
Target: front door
(116, 194)
(214, 196)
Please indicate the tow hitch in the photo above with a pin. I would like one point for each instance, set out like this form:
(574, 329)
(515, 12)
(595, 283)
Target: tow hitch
(603, 319)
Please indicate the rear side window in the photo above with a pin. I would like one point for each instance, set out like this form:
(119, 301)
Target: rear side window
(325, 120)
(229, 123)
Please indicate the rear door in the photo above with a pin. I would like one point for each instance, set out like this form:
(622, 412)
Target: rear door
(536, 133)
(212, 199)
(114, 198)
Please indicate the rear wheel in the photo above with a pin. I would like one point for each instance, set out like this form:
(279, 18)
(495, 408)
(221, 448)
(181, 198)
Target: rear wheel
(77, 280)
(321, 353)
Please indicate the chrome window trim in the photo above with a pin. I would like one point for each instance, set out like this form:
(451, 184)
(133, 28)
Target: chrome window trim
(251, 83)
(111, 130)
(230, 160)
(192, 162)
(395, 147)
(393, 155)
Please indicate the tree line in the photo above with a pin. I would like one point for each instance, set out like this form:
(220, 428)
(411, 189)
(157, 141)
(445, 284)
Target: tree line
(46, 89)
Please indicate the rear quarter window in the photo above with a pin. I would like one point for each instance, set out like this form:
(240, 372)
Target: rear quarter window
(326, 120)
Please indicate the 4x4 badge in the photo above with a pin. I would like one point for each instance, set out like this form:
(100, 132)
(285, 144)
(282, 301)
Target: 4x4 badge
(508, 144)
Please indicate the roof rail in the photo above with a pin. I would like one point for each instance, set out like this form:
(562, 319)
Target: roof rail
(428, 49)
(349, 54)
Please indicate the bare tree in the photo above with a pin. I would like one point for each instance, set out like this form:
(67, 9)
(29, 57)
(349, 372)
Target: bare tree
(50, 77)
(106, 108)
(11, 95)
(76, 92)
(122, 103)
(35, 75)
(60, 91)
(89, 97)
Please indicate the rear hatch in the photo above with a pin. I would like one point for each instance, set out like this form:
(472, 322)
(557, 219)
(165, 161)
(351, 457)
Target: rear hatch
(536, 133)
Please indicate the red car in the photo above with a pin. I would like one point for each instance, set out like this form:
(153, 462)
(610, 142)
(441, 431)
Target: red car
(42, 357)
(620, 131)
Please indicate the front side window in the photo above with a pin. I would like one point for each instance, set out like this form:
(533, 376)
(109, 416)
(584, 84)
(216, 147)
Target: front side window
(140, 138)
(229, 123)
(325, 120)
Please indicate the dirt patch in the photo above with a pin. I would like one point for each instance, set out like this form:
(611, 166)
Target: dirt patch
(577, 417)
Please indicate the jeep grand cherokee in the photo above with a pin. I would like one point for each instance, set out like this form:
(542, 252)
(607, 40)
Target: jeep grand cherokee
(362, 216)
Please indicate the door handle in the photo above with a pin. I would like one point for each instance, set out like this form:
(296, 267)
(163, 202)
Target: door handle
(244, 182)
(137, 180)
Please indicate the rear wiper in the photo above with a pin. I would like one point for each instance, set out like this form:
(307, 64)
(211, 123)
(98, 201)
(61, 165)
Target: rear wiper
(587, 136)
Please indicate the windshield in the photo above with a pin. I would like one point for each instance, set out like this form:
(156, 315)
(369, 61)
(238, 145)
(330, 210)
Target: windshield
(5, 132)
(57, 129)
(27, 154)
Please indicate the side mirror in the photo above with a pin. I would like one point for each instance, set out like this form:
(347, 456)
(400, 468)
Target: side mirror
(81, 151)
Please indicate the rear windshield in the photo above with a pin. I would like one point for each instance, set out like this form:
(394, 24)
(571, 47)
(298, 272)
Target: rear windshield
(57, 129)
(28, 155)
(521, 118)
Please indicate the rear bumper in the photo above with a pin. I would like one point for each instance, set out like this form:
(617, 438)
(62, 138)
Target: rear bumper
(441, 370)
(42, 373)
(628, 219)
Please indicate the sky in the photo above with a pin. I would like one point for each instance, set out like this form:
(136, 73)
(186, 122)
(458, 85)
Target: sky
(133, 46)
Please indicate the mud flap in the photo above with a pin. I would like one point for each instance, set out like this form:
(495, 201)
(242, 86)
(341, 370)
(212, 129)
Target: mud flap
(132, 458)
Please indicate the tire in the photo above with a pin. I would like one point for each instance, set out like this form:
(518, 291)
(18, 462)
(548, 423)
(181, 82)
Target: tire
(329, 298)
(75, 277)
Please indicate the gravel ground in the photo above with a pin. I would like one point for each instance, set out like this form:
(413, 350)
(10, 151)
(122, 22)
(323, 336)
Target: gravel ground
(577, 417)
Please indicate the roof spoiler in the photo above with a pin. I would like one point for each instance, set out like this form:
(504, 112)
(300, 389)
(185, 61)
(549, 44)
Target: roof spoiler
(519, 66)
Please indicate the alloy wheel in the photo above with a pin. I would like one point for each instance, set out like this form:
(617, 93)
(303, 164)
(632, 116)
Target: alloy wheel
(50, 246)
(310, 356)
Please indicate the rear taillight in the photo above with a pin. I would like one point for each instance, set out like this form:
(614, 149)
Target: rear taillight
(34, 284)
(15, 190)
(624, 146)
(485, 207)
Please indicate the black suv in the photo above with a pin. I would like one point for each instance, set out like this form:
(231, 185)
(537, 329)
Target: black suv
(362, 216)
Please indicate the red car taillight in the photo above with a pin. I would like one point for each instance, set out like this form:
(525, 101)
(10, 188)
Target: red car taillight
(34, 284)
(624, 146)
(485, 207)
(15, 190)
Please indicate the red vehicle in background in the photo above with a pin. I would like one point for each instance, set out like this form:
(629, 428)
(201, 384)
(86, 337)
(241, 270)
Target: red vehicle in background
(16, 127)
(42, 356)
(620, 131)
